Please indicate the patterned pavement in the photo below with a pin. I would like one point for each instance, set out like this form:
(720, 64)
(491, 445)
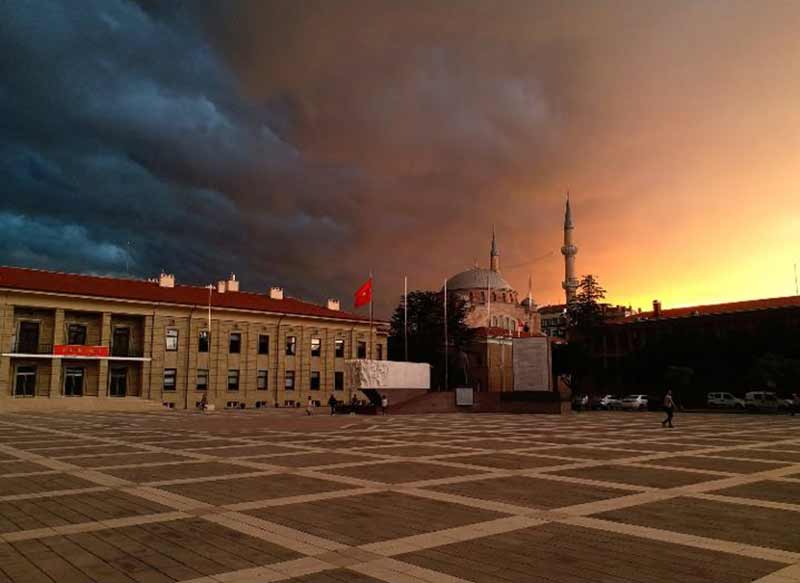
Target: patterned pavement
(246, 497)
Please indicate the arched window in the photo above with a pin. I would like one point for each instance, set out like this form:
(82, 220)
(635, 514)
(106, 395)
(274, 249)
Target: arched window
(504, 296)
(471, 299)
(494, 297)
(483, 297)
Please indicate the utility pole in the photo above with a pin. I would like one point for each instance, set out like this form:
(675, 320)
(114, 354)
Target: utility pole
(446, 344)
(405, 316)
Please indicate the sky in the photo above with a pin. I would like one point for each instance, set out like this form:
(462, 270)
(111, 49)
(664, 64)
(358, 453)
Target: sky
(307, 144)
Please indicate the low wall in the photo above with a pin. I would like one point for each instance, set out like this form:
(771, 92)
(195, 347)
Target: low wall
(541, 402)
(54, 405)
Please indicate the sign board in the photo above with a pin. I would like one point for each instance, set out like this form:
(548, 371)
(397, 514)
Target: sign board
(464, 396)
(531, 359)
(80, 350)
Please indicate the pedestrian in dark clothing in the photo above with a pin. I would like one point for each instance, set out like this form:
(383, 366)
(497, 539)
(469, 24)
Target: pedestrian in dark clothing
(669, 408)
(795, 404)
(332, 404)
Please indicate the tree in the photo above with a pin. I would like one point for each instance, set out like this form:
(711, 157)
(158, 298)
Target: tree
(426, 331)
(586, 312)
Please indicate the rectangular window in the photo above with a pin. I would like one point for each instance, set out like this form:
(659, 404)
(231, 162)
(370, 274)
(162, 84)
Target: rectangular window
(235, 345)
(202, 379)
(379, 348)
(316, 347)
(362, 349)
(233, 380)
(25, 383)
(28, 337)
(76, 334)
(339, 344)
(288, 382)
(263, 344)
(73, 381)
(170, 379)
(118, 381)
(291, 345)
(202, 341)
(261, 380)
(172, 339)
(338, 381)
(121, 342)
(314, 380)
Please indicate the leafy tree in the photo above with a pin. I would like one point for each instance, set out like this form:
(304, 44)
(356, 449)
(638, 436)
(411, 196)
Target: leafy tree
(586, 311)
(426, 332)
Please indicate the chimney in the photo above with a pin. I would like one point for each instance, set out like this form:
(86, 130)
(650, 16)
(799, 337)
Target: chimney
(166, 280)
(276, 293)
(656, 309)
(233, 283)
(333, 304)
(221, 286)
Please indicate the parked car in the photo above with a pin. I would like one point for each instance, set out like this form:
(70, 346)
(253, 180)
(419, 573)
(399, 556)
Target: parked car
(635, 403)
(724, 400)
(762, 401)
(607, 402)
(580, 402)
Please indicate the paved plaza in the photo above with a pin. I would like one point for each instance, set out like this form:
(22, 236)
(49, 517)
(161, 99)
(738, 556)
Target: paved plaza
(247, 497)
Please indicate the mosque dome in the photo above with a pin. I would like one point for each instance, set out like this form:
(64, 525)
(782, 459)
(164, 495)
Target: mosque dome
(477, 278)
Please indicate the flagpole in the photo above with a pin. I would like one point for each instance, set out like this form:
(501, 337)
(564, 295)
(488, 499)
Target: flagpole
(446, 365)
(405, 315)
(488, 334)
(371, 294)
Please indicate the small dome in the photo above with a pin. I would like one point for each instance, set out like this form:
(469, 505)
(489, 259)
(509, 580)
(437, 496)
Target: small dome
(477, 278)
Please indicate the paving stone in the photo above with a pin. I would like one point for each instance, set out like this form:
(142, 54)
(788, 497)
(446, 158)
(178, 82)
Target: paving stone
(399, 472)
(716, 464)
(638, 476)
(256, 488)
(770, 490)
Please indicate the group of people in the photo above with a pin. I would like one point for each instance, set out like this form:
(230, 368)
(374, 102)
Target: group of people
(332, 402)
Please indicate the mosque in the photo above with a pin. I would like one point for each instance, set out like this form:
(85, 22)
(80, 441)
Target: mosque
(494, 304)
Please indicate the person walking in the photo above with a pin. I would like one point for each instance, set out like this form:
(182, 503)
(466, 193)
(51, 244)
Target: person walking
(309, 406)
(384, 404)
(203, 403)
(669, 408)
(332, 405)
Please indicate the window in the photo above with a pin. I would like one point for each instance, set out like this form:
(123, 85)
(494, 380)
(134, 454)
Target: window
(288, 382)
(73, 381)
(202, 379)
(483, 297)
(202, 341)
(235, 344)
(25, 385)
(28, 338)
(118, 381)
(362, 349)
(170, 375)
(316, 347)
(233, 380)
(172, 339)
(338, 381)
(76, 334)
(291, 345)
(261, 380)
(121, 342)
(339, 344)
(314, 380)
(263, 344)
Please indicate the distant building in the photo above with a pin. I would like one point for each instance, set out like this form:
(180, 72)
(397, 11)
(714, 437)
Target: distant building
(491, 301)
(78, 336)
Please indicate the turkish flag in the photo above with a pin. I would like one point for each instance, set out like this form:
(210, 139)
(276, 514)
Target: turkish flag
(364, 294)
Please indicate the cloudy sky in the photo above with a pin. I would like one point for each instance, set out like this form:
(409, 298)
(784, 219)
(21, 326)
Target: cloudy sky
(305, 143)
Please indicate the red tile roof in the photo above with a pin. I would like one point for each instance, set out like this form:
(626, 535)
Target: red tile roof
(716, 309)
(139, 290)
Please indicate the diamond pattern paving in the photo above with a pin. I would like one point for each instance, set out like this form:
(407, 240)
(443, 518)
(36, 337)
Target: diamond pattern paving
(275, 496)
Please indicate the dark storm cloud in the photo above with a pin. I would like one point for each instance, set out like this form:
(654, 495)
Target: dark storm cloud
(298, 143)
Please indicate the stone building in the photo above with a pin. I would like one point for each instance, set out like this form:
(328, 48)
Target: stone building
(77, 336)
(491, 301)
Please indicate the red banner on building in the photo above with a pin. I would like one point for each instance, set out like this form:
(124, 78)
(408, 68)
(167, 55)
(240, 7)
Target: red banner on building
(80, 350)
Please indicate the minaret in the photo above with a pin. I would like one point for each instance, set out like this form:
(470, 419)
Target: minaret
(569, 251)
(494, 256)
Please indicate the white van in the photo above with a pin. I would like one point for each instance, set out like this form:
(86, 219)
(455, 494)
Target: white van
(761, 401)
(724, 400)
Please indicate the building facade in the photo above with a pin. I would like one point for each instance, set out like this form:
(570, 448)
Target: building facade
(76, 336)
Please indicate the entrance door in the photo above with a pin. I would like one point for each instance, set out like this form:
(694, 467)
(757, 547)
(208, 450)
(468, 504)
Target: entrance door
(28, 339)
(121, 342)
(118, 381)
(25, 385)
(73, 381)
